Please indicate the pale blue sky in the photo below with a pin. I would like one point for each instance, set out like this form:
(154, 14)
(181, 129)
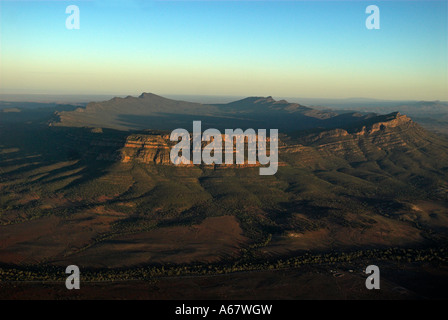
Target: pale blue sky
(280, 48)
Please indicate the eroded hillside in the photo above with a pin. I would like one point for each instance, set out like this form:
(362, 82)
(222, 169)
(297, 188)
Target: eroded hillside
(100, 197)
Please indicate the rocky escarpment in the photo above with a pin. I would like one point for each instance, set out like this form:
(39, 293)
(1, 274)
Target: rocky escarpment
(147, 148)
(368, 140)
(155, 148)
(371, 140)
(380, 124)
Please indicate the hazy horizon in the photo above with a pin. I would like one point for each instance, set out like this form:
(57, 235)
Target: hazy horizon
(205, 99)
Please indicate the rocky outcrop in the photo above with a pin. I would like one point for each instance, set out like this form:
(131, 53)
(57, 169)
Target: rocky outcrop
(390, 121)
(368, 140)
(155, 148)
(150, 149)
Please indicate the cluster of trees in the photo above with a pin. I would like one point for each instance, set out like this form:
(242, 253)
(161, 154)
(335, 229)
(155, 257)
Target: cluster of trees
(149, 273)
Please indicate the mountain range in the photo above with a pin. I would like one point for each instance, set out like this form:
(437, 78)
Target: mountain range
(155, 112)
(93, 186)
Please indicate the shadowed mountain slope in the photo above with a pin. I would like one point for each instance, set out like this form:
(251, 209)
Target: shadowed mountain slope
(155, 112)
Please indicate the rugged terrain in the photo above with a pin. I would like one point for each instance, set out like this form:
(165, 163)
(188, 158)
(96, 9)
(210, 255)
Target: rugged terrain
(105, 198)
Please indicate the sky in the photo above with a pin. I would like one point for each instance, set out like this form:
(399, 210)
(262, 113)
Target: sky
(315, 49)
